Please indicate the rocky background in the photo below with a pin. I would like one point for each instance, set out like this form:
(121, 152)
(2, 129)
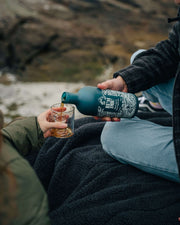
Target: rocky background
(70, 41)
(76, 40)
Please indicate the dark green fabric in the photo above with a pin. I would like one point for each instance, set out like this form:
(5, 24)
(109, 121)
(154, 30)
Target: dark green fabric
(19, 138)
(24, 134)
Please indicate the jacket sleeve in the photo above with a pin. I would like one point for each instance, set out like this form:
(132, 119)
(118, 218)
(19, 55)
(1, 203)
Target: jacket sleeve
(24, 134)
(155, 65)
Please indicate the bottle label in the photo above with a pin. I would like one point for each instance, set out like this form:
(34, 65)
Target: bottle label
(117, 104)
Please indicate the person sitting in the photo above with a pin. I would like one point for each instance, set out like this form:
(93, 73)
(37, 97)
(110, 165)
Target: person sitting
(148, 146)
(23, 199)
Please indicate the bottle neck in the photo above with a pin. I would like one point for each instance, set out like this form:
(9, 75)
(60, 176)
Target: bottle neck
(69, 98)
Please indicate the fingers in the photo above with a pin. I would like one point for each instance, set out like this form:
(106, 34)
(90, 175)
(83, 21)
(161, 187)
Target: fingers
(96, 117)
(102, 118)
(50, 125)
(115, 119)
(47, 114)
(59, 109)
(45, 124)
(47, 134)
(117, 84)
(106, 85)
(107, 119)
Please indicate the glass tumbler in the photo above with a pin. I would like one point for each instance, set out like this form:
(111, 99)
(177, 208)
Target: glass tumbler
(62, 113)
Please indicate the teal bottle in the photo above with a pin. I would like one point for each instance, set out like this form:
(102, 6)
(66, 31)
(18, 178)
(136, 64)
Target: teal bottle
(96, 102)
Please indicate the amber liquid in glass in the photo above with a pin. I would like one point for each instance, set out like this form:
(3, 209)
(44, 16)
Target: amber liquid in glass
(61, 132)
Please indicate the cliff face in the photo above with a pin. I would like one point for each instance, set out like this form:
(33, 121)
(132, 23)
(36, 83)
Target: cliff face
(72, 40)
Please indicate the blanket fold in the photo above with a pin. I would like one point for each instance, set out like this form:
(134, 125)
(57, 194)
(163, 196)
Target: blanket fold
(85, 186)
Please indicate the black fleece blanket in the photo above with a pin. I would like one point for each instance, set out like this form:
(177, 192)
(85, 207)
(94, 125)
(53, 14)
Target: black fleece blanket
(85, 186)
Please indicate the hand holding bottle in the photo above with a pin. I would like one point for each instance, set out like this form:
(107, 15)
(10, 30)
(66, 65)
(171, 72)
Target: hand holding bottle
(117, 84)
(105, 103)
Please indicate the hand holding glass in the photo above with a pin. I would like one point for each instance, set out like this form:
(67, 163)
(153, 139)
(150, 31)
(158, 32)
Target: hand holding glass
(62, 113)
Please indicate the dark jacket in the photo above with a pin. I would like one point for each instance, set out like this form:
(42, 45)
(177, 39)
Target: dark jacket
(154, 66)
(20, 138)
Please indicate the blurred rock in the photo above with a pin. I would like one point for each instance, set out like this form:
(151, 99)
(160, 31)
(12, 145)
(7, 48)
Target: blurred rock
(74, 40)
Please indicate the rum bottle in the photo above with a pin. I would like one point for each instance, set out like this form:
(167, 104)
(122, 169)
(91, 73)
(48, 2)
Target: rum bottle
(102, 103)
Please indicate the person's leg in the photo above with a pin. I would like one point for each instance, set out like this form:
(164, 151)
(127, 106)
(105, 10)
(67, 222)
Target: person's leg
(161, 93)
(142, 144)
(159, 96)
